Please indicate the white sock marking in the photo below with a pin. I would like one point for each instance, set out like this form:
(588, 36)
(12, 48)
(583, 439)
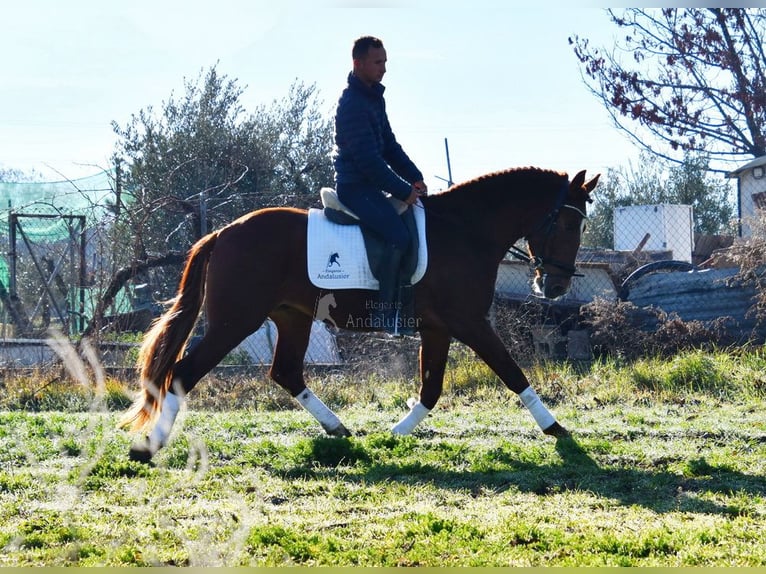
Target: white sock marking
(161, 431)
(542, 415)
(405, 426)
(309, 401)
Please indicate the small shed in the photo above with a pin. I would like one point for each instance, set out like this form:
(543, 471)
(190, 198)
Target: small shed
(751, 191)
(655, 228)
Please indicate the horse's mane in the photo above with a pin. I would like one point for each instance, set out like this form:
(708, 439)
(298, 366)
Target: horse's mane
(490, 185)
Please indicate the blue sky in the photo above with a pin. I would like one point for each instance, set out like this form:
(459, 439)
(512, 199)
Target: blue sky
(498, 79)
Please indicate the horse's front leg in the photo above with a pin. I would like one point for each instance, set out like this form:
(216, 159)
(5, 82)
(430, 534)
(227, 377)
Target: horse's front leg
(481, 337)
(434, 347)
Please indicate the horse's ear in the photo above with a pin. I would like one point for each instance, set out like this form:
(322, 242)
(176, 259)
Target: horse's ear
(578, 185)
(591, 185)
(577, 182)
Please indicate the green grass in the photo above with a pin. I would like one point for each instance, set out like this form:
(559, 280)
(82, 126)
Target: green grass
(666, 467)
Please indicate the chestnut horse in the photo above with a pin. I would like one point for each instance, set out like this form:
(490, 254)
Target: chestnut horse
(256, 267)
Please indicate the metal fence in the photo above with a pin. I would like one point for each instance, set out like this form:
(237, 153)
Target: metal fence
(662, 269)
(42, 277)
(656, 261)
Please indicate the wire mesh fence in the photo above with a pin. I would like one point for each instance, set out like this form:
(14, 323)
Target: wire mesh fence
(57, 267)
(44, 269)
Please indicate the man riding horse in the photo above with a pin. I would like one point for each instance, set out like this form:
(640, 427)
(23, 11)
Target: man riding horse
(368, 162)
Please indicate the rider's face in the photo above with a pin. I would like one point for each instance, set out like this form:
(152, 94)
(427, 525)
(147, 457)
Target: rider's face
(372, 66)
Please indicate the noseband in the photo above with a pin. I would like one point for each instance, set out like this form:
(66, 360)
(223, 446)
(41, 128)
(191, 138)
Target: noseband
(546, 228)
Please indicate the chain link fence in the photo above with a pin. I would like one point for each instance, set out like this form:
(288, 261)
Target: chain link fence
(56, 268)
(665, 282)
(41, 277)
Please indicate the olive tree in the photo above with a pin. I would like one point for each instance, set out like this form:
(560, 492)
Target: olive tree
(199, 162)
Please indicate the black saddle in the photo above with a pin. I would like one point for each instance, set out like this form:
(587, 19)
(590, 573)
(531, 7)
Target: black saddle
(374, 244)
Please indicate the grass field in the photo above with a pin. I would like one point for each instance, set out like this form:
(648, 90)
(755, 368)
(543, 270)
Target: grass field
(666, 467)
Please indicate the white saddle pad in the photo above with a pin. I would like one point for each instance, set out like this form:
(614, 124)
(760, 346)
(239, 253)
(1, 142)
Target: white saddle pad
(337, 258)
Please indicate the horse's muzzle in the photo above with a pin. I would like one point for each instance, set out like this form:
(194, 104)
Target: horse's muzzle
(550, 286)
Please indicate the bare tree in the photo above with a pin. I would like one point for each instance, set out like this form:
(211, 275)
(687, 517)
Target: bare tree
(694, 79)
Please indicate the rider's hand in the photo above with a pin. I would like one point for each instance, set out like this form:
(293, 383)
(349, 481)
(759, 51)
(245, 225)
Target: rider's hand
(420, 187)
(413, 198)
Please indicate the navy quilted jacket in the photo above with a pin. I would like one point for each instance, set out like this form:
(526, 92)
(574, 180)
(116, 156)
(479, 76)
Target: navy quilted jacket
(366, 151)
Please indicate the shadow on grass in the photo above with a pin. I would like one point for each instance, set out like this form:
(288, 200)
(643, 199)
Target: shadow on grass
(662, 490)
(658, 489)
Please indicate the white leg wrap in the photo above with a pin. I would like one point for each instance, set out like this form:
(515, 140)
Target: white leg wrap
(309, 401)
(161, 431)
(542, 416)
(411, 419)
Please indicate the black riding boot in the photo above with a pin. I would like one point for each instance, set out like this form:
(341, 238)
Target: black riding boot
(385, 314)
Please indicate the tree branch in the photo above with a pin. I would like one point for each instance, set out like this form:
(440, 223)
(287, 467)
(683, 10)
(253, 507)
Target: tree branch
(119, 280)
(696, 81)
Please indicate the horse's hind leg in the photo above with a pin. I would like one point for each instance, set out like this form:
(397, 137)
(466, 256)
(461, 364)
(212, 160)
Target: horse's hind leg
(294, 331)
(200, 360)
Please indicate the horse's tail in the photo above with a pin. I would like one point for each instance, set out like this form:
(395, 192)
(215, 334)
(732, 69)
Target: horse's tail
(165, 342)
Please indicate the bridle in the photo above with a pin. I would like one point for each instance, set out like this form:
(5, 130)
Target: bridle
(545, 228)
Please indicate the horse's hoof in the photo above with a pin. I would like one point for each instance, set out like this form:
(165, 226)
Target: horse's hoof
(142, 453)
(556, 430)
(340, 431)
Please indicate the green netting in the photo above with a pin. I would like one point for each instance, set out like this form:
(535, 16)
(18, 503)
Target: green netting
(88, 196)
(4, 273)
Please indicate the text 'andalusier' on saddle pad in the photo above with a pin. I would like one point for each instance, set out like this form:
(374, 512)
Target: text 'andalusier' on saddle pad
(337, 257)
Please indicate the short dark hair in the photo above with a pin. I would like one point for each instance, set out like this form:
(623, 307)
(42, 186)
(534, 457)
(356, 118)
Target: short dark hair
(362, 46)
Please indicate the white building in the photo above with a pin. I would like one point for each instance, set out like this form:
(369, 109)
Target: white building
(662, 227)
(751, 191)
